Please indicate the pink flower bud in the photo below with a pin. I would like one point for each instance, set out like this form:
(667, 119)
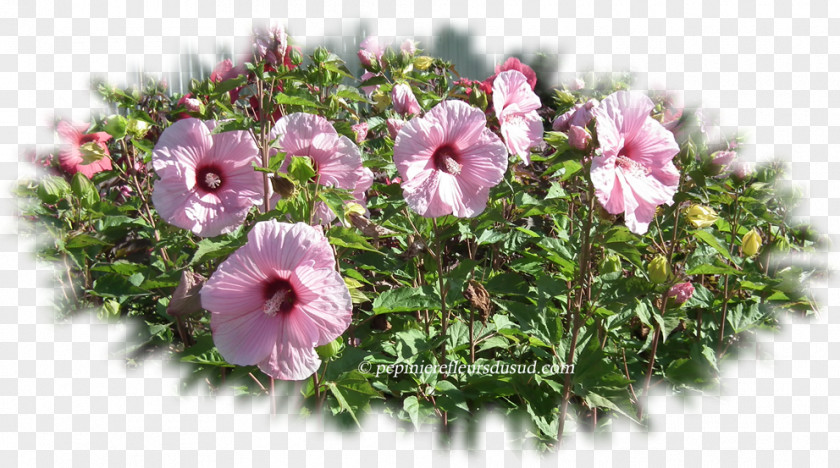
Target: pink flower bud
(361, 131)
(394, 126)
(409, 47)
(404, 101)
(579, 138)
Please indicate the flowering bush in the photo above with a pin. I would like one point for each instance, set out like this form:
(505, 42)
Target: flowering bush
(419, 241)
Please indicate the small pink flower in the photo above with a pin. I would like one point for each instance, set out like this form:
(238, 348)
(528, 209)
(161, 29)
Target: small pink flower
(83, 152)
(516, 108)
(409, 47)
(370, 52)
(277, 298)
(635, 172)
(361, 131)
(404, 101)
(577, 84)
(190, 103)
(207, 183)
(742, 169)
(513, 63)
(449, 160)
(680, 292)
(394, 126)
(336, 160)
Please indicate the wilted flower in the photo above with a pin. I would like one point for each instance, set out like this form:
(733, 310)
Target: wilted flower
(272, 45)
(577, 116)
(277, 298)
(207, 183)
(369, 89)
(516, 108)
(658, 270)
(720, 161)
(449, 160)
(635, 172)
(190, 103)
(579, 137)
(186, 300)
(700, 216)
(680, 292)
(751, 243)
(83, 152)
(404, 101)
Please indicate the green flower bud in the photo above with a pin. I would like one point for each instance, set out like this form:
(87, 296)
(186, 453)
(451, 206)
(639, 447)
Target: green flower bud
(751, 243)
(610, 264)
(330, 349)
(423, 62)
(137, 128)
(296, 56)
(320, 55)
(658, 269)
(700, 216)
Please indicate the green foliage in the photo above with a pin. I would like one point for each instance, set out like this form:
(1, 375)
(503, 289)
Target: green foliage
(534, 302)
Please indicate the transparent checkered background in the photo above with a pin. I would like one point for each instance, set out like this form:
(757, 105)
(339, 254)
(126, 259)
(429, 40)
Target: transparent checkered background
(771, 70)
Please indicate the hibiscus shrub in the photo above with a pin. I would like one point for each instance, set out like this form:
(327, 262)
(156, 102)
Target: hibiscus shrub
(418, 241)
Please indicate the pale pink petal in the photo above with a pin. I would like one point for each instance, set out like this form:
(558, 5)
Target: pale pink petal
(288, 362)
(521, 133)
(421, 194)
(324, 300)
(485, 163)
(652, 146)
(619, 117)
(602, 174)
(512, 88)
(245, 339)
(282, 247)
(183, 144)
(642, 194)
(404, 101)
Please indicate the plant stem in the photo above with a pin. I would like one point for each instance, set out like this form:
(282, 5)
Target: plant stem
(576, 316)
(734, 233)
(444, 314)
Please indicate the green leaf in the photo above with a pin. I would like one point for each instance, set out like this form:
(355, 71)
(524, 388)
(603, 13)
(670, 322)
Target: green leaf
(373, 81)
(301, 170)
(412, 407)
(353, 393)
(115, 126)
(710, 239)
(209, 249)
(713, 270)
(285, 99)
(406, 299)
(340, 236)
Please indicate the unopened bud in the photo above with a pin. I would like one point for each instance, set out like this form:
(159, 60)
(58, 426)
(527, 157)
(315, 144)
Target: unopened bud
(700, 216)
(680, 292)
(658, 269)
(751, 243)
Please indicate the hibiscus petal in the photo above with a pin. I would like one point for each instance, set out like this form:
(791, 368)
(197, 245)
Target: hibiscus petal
(654, 146)
(244, 339)
(288, 362)
(512, 88)
(323, 300)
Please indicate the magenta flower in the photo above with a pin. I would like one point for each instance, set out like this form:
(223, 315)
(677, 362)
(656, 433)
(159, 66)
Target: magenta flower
(370, 52)
(224, 71)
(207, 183)
(404, 101)
(516, 108)
(680, 292)
(336, 160)
(449, 160)
(83, 152)
(277, 298)
(634, 173)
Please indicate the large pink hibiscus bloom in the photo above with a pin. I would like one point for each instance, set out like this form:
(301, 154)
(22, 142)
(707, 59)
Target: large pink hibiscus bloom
(336, 159)
(449, 160)
(277, 298)
(635, 172)
(516, 108)
(207, 183)
(83, 152)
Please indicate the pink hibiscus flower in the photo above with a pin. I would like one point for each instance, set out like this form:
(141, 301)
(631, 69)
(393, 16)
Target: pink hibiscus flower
(516, 108)
(207, 183)
(336, 160)
(513, 63)
(369, 89)
(277, 298)
(404, 101)
(449, 160)
(635, 172)
(83, 152)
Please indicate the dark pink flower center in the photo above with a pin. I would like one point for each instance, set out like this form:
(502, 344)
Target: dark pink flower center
(279, 296)
(209, 178)
(87, 138)
(446, 159)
